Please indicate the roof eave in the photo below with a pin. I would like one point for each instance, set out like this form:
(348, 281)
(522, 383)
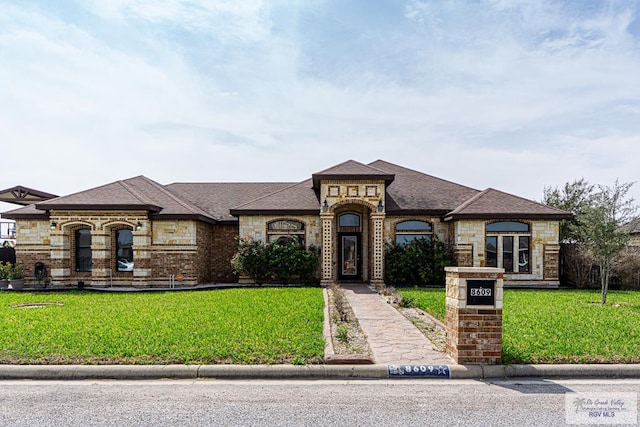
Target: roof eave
(557, 217)
(99, 207)
(430, 212)
(194, 217)
(238, 212)
(43, 216)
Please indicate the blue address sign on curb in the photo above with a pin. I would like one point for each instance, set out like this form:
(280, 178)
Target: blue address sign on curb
(419, 371)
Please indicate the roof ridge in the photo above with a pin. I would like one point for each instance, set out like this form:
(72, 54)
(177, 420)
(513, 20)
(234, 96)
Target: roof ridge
(81, 192)
(187, 205)
(527, 200)
(135, 194)
(422, 173)
(470, 201)
(272, 193)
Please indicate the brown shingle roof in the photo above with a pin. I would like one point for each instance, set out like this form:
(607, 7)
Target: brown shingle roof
(131, 194)
(417, 192)
(492, 203)
(299, 198)
(351, 170)
(408, 192)
(218, 198)
(24, 196)
(27, 212)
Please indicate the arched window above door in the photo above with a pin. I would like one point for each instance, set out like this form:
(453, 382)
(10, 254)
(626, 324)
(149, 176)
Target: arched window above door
(349, 220)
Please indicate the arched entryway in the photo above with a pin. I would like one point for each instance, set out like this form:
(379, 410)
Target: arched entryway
(352, 242)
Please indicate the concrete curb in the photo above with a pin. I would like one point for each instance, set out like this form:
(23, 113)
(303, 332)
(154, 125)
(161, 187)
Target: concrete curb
(149, 372)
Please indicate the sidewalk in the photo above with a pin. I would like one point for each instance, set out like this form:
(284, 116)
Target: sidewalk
(393, 339)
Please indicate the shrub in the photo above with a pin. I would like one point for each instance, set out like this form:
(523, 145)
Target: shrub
(283, 262)
(626, 269)
(420, 262)
(578, 266)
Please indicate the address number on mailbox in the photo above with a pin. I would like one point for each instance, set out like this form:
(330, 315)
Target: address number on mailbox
(481, 292)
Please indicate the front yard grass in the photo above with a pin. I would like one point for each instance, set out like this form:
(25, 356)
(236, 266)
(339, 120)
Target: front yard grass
(243, 326)
(559, 326)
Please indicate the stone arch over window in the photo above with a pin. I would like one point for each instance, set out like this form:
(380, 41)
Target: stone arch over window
(344, 202)
(284, 230)
(77, 245)
(508, 246)
(82, 251)
(119, 238)
(412, 229)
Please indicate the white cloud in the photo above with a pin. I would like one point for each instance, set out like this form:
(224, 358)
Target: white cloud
(512, 95)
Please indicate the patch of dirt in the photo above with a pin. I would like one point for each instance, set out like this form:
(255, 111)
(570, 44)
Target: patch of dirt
(37, 304)
(346, 335)
(426, 325)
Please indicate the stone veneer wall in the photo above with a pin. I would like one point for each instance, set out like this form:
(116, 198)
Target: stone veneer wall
(174, 251)
(161, 248)
(470, 245)
(255, 227)
(224, 246)
(34, 245)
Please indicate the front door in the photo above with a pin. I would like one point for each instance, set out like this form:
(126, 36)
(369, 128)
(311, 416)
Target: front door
(350, 260)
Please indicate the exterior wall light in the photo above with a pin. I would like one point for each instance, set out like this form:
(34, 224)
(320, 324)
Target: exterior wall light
(325, 206)
(380, 206)
(138, 226)
(53, 225)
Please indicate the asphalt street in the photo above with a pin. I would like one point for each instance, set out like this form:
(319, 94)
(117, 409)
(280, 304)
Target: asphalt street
(296, 402)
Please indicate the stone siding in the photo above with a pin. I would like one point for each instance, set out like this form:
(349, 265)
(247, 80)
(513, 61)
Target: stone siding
(224, 246)
(544, 250)
(255, 227)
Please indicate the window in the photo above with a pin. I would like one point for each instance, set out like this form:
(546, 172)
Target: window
(406, 231)
(508, 246)
(285, 230)
(349, 220)
(83, 249)
(124, 250)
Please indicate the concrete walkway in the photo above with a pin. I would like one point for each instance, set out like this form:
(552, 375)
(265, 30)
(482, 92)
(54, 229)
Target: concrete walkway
(393, 339)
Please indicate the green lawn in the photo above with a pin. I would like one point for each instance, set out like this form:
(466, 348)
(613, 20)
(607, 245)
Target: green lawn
(245, 326)
(559, 326)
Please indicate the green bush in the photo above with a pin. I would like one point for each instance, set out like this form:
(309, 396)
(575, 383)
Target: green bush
(283, 261)
(420, 262)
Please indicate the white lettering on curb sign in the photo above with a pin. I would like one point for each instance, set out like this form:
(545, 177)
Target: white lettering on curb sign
(602, 409)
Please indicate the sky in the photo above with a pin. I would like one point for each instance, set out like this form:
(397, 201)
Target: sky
(511, 94)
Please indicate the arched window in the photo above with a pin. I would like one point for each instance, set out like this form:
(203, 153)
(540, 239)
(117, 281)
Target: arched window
(349, 220)
(83, 249)
(285, 230)
(406, 231)
(124, 250)
(508, 246)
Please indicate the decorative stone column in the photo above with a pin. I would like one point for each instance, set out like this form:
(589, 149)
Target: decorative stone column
(377, 218)
(327, 219)
(142, 254)
(474, 314)
(60, 256)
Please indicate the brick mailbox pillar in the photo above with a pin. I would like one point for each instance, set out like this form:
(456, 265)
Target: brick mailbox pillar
(474, 314)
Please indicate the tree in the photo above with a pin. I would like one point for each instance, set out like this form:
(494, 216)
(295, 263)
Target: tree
(575, 197)
(599, 214)
(602, 225)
